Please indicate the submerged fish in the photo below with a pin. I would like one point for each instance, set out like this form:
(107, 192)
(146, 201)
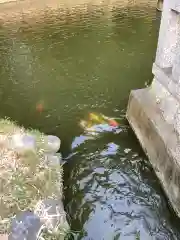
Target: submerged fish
(97, 123)
(98, 118)
(113, 123)
(40, 107)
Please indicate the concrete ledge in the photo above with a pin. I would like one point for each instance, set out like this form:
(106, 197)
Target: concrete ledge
(159, 141)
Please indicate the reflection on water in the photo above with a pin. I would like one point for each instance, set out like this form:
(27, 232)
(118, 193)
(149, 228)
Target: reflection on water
(83, 63)
(112, 191)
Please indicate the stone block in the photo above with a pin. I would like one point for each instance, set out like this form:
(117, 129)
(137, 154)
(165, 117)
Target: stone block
(176, 64)
(154, 113)
(166, 49)
(175, 5)
(165, 101)
(159, 140)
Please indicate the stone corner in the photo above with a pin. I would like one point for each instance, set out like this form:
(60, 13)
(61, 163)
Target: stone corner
(159, 141)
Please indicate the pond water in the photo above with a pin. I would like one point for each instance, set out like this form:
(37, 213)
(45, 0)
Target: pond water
(83, 63)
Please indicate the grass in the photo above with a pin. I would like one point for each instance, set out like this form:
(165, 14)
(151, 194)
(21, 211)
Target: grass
(25, 178)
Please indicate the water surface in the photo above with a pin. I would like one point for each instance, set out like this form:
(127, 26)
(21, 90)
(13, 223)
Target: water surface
(83, 63)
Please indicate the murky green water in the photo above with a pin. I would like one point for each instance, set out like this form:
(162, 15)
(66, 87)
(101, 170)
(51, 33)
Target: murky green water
(82, 64)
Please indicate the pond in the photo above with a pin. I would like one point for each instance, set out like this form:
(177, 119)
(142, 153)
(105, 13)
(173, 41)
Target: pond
(88, 62)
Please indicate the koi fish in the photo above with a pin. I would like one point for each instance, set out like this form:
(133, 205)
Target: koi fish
(113, 123)
(39, 107)
(99, 123)
(95, 117)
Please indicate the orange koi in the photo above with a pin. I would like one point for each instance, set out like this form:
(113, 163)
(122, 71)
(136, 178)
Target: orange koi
(113, 123)
(39, 107)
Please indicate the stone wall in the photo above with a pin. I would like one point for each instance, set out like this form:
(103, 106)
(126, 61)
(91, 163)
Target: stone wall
(154, 112)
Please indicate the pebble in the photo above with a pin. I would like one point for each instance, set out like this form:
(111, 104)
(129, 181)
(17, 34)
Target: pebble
(52, 214)
(23, 142)
(54, 159)
(53, 143)
(25, 226)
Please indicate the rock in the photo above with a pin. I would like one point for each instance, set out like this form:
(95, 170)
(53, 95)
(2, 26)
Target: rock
(25, 226)
(23, 142)
(3, 140)
(52, 214)
(54, 159)
(53, 143)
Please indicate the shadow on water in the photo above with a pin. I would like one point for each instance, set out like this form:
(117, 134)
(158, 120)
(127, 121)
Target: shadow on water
(82, 63)
(112, 191)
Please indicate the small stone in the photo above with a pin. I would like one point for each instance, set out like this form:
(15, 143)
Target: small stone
(3, 140)
(23, 142)
(127, 150)
(54, 159)
(52, 214)
(25, 226)
(53, 143)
